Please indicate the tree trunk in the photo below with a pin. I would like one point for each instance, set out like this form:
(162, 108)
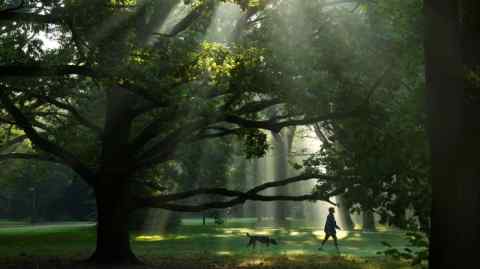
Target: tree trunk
(344, 213)
(454, 131)
(260, 174)
(112, 190)
(292, 208)
(280, 164)
(368, 221)
(113, 238)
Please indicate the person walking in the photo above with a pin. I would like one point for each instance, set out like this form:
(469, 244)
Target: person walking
(330, 228)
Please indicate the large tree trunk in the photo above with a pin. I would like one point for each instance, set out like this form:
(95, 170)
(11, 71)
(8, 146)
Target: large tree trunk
(454, 132)
(112, 186)
(113, 239)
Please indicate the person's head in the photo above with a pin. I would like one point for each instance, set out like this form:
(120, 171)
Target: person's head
(331, 210)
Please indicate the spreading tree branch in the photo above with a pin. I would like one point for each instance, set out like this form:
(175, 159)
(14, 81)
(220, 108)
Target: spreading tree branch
(13, 8)
(166, 201)
(29, 17)
(163, 150)
(276, 126)
(23, 123)
(27, 156)
(15, 14)
(39, 70)
(220, 132)
(256, 106)
(75, 113)
(239, 200)
(16, 140)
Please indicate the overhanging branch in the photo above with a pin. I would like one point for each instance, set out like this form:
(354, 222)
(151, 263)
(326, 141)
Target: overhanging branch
(75, 113)
(28, 156)
(12, 142)
(23, 123)
(39, 70)
(276, 126)
(29, 17)
(167, 201)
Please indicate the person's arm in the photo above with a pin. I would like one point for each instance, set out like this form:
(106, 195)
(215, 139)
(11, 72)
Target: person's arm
(335, 224)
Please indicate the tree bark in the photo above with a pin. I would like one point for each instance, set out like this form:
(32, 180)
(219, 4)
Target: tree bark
(344, 213)
(113, 238)
(260, 174)
(112, 190)
(368, 221)
(280, 164)
(453, 130)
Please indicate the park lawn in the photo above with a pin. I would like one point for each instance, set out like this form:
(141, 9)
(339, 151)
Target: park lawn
(209, 246)
(11, 223)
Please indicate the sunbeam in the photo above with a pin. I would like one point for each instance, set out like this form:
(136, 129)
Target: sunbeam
(222, 26)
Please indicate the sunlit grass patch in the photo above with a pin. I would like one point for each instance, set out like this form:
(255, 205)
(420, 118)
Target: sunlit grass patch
(159, 237)
(294, 252)
(254, 262)
(224, 235)
(252, 231)
(150, 238)
(296, 233)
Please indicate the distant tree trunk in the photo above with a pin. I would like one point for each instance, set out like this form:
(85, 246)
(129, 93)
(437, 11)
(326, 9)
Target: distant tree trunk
(260, 167)
(344, 213)
(281, 164)
(243, 166)
(368, 221)
(292, 208)
(424, 222)
(250, 174)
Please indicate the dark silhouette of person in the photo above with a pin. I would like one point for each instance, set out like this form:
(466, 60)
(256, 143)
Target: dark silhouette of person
(330, 228)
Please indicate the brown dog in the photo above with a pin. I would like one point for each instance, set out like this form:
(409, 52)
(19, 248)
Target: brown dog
(260, 238)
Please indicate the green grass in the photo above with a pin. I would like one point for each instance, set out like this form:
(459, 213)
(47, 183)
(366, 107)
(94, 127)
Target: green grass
(11, 223)
(224, 245)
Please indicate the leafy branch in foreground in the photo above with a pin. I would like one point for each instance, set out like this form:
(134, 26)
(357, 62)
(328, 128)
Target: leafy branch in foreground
(416, 252)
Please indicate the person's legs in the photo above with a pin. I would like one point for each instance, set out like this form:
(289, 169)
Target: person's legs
(335, 241)
(324, 241)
